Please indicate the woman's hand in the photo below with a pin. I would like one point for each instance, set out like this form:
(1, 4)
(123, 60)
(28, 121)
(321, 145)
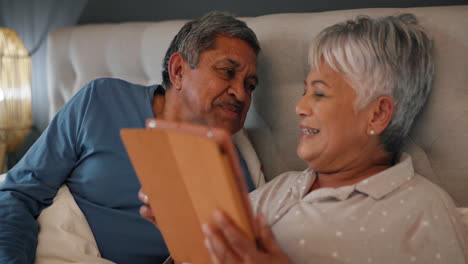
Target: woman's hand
(145, 210)
(227, 244)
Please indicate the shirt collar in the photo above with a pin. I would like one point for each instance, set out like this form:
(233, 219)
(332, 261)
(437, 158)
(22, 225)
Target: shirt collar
(384, 182)
(376, 186)
(309, 176)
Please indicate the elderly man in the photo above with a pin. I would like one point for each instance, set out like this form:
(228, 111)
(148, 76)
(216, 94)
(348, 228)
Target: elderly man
(209, 75)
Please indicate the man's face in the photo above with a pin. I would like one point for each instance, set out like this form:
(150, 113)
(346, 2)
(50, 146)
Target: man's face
(218, 91)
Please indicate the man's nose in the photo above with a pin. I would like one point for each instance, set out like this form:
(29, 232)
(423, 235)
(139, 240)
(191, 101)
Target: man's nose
(238, 90)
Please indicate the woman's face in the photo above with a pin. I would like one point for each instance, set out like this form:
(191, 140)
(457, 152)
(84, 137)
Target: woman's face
(333, 134)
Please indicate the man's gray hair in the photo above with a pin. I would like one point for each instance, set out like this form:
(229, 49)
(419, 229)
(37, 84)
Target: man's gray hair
(199, 35)
(384, 56)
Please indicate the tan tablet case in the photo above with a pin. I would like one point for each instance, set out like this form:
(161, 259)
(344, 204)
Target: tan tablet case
(188, 171)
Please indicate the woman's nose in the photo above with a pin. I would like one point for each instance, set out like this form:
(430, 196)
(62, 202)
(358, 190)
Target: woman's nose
(303, 108)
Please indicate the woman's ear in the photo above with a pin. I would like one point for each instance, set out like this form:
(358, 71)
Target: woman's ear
(381, 113)
(176, 70)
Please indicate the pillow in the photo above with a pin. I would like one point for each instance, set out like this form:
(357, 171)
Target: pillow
(250, 156)
(65, 236)
(464, 217)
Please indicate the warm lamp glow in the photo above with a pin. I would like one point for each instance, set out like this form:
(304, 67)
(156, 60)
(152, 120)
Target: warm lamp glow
(15, 92)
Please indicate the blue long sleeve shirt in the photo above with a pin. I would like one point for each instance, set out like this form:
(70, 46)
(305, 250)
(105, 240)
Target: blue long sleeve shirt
(82, 148)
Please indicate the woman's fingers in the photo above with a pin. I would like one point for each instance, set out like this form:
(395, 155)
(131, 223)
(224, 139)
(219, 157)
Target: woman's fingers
(146, 213)
(145, 210)
(235, 238)
(142, 196)
(213, 256)
(266, 236)
(218, 246)
(227, 244)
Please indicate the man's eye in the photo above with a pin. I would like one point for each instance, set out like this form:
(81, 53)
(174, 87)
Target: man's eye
(319, 95)
(228, 72)
(251, 87)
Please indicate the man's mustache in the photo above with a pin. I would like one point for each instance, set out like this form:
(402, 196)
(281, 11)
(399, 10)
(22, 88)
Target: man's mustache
(238, 105)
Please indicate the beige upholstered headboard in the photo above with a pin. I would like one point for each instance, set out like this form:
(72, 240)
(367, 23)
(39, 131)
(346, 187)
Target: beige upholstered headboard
(134, 51)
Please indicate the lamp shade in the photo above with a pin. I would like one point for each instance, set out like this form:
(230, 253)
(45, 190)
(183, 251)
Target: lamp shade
(15, 92)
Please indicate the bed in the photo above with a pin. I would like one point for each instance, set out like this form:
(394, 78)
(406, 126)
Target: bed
(134, 52)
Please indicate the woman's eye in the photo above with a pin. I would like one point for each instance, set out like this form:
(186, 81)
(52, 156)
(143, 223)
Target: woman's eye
(319, 95)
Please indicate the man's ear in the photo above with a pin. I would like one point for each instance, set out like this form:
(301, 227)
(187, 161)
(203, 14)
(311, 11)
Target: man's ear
(380, 115)
(176, 68)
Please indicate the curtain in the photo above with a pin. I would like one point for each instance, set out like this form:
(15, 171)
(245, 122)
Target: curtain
(33, 20)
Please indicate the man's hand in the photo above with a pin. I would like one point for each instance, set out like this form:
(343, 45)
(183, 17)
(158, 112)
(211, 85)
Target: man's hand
(145, 210)
(227, 244)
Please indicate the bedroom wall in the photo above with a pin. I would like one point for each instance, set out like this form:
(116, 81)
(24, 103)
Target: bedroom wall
(106, 11)
(109, 11)
(100, 11)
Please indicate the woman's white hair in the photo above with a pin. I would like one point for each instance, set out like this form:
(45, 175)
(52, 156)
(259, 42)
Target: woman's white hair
(384, 56)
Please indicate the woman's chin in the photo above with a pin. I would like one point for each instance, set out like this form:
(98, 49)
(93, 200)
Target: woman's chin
(305, 154)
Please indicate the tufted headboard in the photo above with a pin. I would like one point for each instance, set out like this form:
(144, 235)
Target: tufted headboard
(134, 51)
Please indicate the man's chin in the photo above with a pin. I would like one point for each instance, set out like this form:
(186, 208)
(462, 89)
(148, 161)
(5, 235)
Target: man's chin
(231, 127)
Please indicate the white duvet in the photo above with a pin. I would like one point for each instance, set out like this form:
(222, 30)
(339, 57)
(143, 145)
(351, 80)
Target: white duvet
(65, 236)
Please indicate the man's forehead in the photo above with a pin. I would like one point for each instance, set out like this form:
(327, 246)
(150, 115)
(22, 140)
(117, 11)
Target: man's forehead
(229, 61)
(230, 43)
(231, 52)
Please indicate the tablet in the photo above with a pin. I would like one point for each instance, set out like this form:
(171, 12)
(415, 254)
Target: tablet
(188, 171)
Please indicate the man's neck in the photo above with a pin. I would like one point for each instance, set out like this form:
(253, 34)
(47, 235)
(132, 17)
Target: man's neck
(158, 104)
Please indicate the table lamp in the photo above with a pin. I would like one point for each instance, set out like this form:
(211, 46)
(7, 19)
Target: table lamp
(15, 93)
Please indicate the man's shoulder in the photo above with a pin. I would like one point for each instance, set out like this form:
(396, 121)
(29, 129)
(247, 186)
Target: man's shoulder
(113, 89)
(104, 84)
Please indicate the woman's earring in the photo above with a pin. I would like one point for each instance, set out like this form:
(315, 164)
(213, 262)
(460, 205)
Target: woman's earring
(372, 132)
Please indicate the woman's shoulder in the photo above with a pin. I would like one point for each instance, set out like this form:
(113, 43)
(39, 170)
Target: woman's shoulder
(432, 192)
(279, 183)
(280, 192)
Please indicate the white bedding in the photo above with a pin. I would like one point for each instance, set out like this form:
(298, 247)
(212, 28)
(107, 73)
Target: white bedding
(80, 54)
(65, 236)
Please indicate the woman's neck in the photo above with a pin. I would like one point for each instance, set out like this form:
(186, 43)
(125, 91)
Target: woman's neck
(352, 175)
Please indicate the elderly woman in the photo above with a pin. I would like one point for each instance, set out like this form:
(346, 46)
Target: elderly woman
(361, 200)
